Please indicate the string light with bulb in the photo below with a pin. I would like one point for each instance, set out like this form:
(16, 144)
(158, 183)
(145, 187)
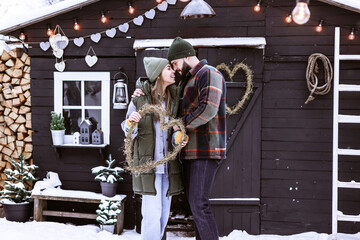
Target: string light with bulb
(288, 18)
(301, 13)
(103, 18)
(158, 1)
(22, 35)
(76, 25)
(352, 34)
(49, 31)
(257, 7)
(131, 9)
(319, 27)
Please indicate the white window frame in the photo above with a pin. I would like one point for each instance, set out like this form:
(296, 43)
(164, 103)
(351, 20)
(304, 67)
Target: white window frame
(104, 77)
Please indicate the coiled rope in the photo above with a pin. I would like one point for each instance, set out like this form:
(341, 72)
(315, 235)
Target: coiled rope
(311, 78)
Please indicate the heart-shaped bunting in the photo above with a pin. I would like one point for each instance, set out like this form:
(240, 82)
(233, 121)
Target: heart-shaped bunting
(111, 32)
(44, 46)
(58, 53)
(150, 14)
(162, 6)
(79, 41)
(124, 27)
(171, 2)
(95, 37)
(138, 20)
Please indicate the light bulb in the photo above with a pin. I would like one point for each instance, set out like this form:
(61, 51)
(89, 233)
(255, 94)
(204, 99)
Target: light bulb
(49, 31)
(158, 1)
(76, 25)
(131, 9)
(301, 12)
(351, 35)
(257, 7)
(103, 18)
(22, 36)
(288, 19)
(319, 27)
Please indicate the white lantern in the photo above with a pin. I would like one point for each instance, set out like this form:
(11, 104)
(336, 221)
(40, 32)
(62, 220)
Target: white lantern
(120, 96)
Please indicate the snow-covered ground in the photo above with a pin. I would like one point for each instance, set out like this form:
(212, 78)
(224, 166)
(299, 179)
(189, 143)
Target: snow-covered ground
(59, 231)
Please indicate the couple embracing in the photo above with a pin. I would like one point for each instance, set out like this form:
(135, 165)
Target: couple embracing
(199, 100)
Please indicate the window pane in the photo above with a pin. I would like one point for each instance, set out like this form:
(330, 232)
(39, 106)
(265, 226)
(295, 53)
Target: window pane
(94, 113)
(72, 119)
(72, 93)
(92, 93)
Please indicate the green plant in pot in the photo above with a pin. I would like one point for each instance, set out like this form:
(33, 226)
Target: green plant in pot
(57, 128)
(107, 214)
(16, 195)
(108, 177)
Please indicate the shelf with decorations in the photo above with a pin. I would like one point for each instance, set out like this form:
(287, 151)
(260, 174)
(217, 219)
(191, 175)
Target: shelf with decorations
(100, 147)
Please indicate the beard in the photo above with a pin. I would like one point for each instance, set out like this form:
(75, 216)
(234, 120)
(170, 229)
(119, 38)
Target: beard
(184, 71)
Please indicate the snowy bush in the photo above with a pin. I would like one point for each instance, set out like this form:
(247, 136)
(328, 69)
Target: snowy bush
(108, 174)
(107, 212)
(17, 184)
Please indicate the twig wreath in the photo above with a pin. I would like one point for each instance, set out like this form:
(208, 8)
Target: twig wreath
(249, 84)
(150, 164)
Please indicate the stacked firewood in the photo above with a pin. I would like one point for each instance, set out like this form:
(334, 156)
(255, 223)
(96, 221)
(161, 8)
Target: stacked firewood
(15, 109)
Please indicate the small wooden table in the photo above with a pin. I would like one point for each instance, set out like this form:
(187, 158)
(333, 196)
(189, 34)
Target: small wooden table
(54, 194)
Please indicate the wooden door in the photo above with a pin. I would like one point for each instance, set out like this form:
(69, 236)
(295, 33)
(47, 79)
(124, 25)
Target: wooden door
(235, 196)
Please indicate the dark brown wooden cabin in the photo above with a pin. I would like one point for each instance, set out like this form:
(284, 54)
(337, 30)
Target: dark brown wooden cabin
(277, 178)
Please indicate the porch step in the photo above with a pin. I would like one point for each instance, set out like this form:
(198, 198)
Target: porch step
(348, 119)
(349, 57)
(348, 218)
(349, 88)
(351, 184)
(350, 152)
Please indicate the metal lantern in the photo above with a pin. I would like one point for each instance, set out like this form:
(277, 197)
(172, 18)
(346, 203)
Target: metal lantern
(197, 9)
(121, 96)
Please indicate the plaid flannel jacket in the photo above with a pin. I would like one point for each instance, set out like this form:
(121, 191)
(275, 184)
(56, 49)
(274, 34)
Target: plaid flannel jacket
(202, 110)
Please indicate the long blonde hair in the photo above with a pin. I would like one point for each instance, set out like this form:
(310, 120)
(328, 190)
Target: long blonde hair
(157, 95)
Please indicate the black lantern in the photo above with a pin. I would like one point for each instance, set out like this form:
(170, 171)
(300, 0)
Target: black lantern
(120, 97)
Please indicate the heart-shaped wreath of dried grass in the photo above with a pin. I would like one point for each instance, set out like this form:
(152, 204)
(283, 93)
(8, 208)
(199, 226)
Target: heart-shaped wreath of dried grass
(147, 108)
(249, 84)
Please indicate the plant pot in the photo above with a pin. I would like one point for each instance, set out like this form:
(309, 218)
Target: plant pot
(17, 212)
(108, 189)
(108, 228)
(58, 137)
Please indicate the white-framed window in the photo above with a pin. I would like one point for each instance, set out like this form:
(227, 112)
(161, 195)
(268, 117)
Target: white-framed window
(82, 95)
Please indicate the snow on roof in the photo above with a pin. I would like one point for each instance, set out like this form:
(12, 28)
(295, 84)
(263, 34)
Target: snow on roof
(352, 5)
(27, 18)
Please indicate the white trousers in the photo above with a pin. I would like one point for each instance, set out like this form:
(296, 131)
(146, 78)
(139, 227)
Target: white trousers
(155, 210)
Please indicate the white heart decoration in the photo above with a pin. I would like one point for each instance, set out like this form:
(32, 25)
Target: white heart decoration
(95, 37)
(60, 66)
(111, 32)
(91, 60)
(124, 27)
(150, 14)
(54, 39)
(162, 6)
(79, 41)
(44, 46)
(138, 20)
(171, 2)
(58, 53)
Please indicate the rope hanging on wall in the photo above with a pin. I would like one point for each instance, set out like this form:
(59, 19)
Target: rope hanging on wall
(312, 79)
(149, 165)
(249, 84)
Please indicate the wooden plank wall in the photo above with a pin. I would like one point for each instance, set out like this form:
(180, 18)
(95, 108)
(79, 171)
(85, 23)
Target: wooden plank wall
(296, 138)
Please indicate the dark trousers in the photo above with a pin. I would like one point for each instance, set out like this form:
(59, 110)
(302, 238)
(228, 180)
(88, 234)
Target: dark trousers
(199, 178)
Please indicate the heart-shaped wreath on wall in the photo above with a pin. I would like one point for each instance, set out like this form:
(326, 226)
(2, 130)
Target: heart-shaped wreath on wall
(163, 125)
(249, 84)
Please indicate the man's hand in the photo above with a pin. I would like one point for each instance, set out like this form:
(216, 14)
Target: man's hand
(137, 93)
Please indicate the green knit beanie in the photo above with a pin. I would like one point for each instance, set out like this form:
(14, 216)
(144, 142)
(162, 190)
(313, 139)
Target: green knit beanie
(180, 49)
(154, 66)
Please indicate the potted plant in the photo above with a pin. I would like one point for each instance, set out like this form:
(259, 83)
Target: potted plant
(108, 177)
(107, 214)
(57, 128)
(16, 195)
